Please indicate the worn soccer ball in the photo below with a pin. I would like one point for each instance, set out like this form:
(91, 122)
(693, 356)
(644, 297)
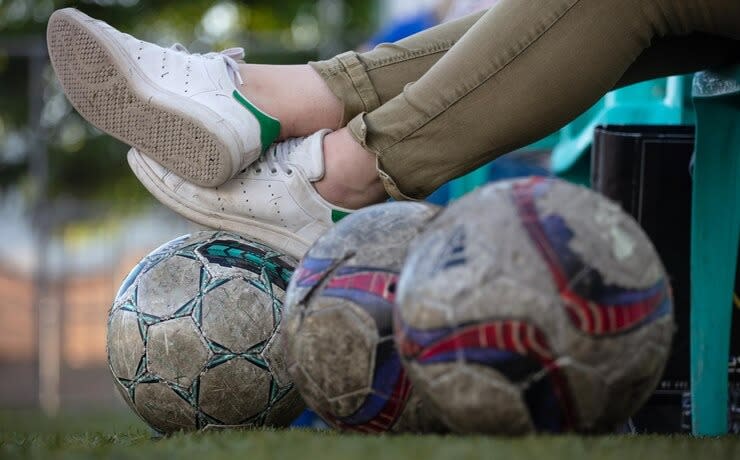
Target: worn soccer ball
(534, 305)
(341, 354)
(194, 335)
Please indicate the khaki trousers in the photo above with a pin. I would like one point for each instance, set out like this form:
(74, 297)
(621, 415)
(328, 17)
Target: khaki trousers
(441, 103)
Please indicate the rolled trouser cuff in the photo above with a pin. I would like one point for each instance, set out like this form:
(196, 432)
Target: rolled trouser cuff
(358, 129)
(390, 184)
(347, 78)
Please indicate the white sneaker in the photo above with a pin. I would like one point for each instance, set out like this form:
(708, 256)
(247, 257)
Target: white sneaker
(273, 200)
(182, 109)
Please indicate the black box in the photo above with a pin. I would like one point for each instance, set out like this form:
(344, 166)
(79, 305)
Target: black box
(646, 169)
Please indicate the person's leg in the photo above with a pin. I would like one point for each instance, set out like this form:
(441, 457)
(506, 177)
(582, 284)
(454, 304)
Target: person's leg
(496, 87)
(188, 111)
(521, 71)
(352, 181)
(327, 94)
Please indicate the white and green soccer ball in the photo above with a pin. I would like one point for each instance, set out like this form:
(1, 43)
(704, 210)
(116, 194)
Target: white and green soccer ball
(194, 335)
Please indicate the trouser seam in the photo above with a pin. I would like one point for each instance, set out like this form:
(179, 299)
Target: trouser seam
(328, 71)
(462, 96)
(407, 56)
(360, 83)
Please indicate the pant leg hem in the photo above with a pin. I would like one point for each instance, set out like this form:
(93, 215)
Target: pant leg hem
(358, 130)
(390, 184)
(347, 78)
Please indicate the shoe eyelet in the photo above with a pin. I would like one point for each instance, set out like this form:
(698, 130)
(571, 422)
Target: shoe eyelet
(273, 171)
(258, 170)
(289, 172)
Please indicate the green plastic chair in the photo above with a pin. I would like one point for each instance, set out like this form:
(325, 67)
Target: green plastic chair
(664, 101)
(715, 232)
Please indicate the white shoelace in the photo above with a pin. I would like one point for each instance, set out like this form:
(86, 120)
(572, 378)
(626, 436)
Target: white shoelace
(277, 156)
(230, 56)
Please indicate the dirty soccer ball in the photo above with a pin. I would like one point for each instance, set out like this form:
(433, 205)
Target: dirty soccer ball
(194, 335)
(534, 305)
(341, 354)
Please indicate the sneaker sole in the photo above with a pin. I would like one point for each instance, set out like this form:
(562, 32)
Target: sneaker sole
(108, 91)
(273, 236)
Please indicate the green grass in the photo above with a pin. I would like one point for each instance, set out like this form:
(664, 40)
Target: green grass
(119, 436)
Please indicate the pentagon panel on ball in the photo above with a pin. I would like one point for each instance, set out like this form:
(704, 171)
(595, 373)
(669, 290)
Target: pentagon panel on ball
(194, 335)
(534, 305)
(339, 306)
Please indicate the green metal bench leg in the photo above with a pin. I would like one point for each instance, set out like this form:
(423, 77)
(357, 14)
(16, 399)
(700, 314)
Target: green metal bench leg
(714, 246)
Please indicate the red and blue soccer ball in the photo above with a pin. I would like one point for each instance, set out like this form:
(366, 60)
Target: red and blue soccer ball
(534, 305)
(339, 305)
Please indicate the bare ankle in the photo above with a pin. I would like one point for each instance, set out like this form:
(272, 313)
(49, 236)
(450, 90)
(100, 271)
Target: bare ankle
(350, 179)
(294, 94)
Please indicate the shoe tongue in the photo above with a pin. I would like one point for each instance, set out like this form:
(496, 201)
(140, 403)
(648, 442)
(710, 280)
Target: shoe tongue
(310, 156)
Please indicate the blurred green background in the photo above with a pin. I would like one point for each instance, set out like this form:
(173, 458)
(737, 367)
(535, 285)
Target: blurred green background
(73, 219)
